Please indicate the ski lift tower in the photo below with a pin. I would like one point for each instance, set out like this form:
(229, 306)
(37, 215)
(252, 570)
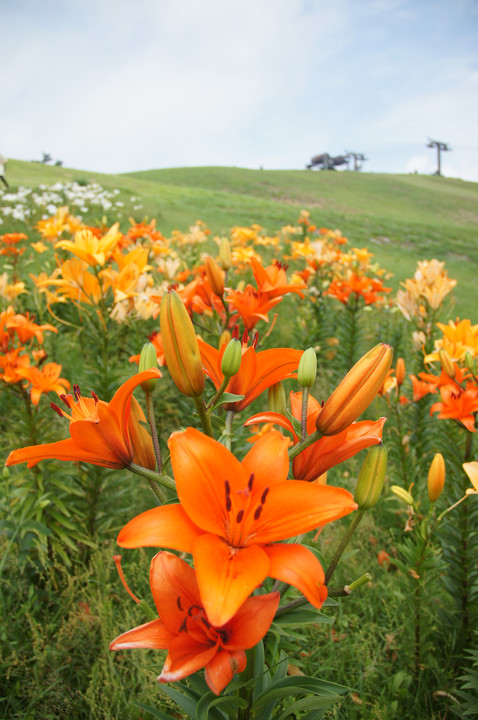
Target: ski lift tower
(440, 146)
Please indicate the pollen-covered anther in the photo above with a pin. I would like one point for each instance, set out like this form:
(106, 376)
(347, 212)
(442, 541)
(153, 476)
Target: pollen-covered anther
(57, 409)
(228, 495)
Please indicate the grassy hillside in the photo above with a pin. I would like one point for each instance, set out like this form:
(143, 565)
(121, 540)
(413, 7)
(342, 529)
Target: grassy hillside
(401, 218)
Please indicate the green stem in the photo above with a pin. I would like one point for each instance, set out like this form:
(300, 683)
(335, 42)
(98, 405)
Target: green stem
(303, 421)
(228, 429)
(155, 478)
(219, 393)
(154, 432)
(303, 444)
(203, 415)
(345, 541)
(246, 690)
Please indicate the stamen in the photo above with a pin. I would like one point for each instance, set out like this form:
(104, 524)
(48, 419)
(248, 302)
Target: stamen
(227, 486)
(264, 495)
(240, 515)
(251, 481)
(178, 603)
(57, 409)
(95, 397)
(257, 513)
(235, 332)
(117, 559)
(76, 392)
(228, 503)
(256, 340)
(65, 400)
(228, 495)
(245, 337)
(184, 625)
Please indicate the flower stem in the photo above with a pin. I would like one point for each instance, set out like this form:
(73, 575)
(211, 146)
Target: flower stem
(219, 393)
(203, 416)
(345, 541)
(154, 432)
(154, 479)
(303, 421)
(303, 444)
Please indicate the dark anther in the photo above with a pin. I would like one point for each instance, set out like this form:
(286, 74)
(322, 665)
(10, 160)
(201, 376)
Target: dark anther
(240, 515)
(65, 400)
(245, 337)
(184, 625)
(57, 409)
(251, 482)
(264, 495)
(256, 340)
(228, 503)
(95, 397)
(227, 486)
(76, 391)
(178, 603)
(257, 513)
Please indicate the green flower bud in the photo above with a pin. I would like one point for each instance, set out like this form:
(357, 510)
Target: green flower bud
(231, 360)
(276, 399)
(147, 360)
(470, 361)
(307, 368)
(370, 481)
(447, 363)
(402, 494)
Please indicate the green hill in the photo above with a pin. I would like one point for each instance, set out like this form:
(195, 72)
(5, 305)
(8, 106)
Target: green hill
(400, 218)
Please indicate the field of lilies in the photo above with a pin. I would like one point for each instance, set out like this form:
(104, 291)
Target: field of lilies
(279, 445)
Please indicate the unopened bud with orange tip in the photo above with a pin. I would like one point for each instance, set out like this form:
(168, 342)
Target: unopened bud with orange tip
(214, 275)
(180, 346)
(143, 451)
(356, 391)
(276, 399)
(436, 477)
(147, 360)
(231, 360)
(402, 494)
(226, 336)
(400, 371)
(225, 253)
(371, 478)
(447, 363)
(307, 370)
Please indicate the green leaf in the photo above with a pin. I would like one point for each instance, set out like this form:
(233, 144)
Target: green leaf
(228, 398)
(210, 701)
(152, 711)
(299, 686)
(187, 703)
(303, 616)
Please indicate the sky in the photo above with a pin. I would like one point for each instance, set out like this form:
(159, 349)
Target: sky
(125, 85)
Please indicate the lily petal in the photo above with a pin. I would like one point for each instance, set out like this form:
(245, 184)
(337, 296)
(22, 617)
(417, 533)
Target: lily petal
(165, 526)
(298, 566)
(174, 588)
(295, 507)
(223, 666)
(226, 576)
(65, 450)
(252, 621)
(153, 635)
(268, 460)
(186, 655)
(202, 466)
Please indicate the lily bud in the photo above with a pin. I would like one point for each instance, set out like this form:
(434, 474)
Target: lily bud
(143, 451)
(356, 391)
(307, 370)
(447, 363)
(147, 360)
(470, 361)
(436, 477)
(224, 339)
(402, 494)
(180, 346)
(276, 399)
(231, 360)
(214, 276)
(400, 371)
(371, 478)
(225, 253)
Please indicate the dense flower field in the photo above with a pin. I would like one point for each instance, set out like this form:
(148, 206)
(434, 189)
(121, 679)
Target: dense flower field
(226, 401)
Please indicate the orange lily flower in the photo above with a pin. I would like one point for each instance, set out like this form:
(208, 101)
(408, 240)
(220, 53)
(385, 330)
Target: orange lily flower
(273, 279)
(107, 434)
(45, 379)
(184, 630)
(231, 515)
(91, 249)
(251, 304)
(330, 450)
(26, 329)
(458, 405)
(258, 371)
